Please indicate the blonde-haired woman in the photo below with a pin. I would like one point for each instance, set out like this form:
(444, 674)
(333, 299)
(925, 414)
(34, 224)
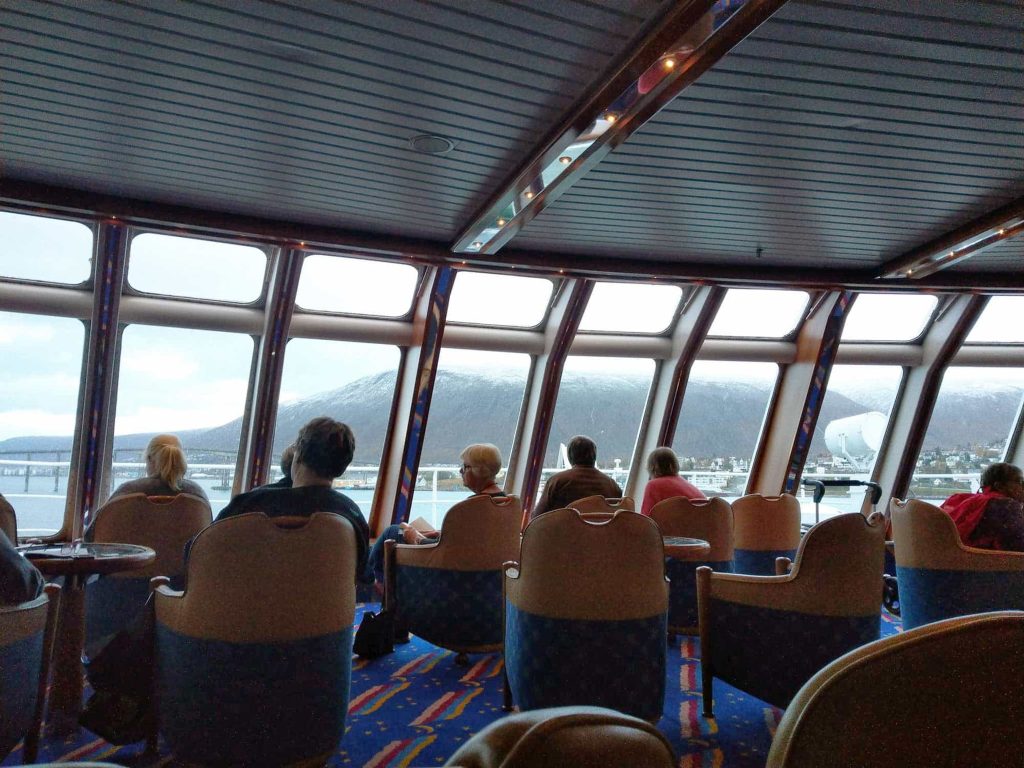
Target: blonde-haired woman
(165, 471)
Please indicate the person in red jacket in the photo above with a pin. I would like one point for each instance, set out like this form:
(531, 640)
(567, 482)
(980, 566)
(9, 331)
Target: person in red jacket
(994, 517)
(665, 482)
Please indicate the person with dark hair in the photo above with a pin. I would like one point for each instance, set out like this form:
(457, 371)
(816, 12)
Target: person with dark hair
(665, 482)
(323, 451)
(582, 479)
(993, 518)
(20, 581)
(287, 456)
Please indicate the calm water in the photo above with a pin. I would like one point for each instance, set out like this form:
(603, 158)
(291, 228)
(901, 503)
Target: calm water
(41, 509)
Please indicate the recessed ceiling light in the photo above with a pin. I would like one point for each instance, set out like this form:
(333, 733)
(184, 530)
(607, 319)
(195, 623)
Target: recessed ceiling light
(529, 194)
(477, 244)
(430, 144)
(500, 222)
(565, 159)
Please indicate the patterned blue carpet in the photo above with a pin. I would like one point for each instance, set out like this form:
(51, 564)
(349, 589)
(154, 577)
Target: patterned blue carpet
(415, 707)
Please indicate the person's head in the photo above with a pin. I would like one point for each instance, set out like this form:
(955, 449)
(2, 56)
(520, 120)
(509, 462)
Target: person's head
(662, 462)
(325, 447)
(286, 461)
(481, 463)
(582, 451)
(165, 459)
(1004, 478)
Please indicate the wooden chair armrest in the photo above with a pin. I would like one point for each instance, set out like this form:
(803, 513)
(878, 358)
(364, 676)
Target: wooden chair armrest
(782, 566)
(414, 554)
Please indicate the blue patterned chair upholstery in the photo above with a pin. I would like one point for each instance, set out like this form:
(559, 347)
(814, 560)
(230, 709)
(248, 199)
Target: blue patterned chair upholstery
(583, 737)
(585, 614)
(254, 658)
(767, 635)
(765, 528)
(165, 524)
(941, 695)
(26, 639)
(939, 577)
(708, 519)
(449, 593)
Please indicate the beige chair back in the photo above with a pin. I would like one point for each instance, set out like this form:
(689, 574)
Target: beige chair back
(253, 578)
(947, 693)
(926, 537)
(165, 524)
(600, 505)
(573, 568)
(766, 522)
(478, 534)
(8, 521)
(583, 737)
(708, 519)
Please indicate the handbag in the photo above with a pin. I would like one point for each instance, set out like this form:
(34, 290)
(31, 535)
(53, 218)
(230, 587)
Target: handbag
(376, 635)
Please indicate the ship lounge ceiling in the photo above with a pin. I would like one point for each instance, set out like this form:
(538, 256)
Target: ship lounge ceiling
(831, 142)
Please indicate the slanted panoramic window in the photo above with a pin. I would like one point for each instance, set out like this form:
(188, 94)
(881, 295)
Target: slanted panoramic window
(970, 424)
(196, 269)
(631, 308)
(602, 398)
(38, 403)
(356, 286)
(190, 383)
(755, 313)
(486, 299)
(888, 317)
(1002, 321)
(477, 399)
(720, 422)
(849, 433)
(349, 381)
(45, 249)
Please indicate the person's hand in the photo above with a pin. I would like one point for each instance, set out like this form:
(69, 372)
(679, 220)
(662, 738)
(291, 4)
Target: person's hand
(409, 534)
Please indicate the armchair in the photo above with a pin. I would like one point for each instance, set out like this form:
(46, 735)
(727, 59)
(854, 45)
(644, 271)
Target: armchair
(449, 592)
(254, 658)
(768, 634)
(585, 614)
(940, 577)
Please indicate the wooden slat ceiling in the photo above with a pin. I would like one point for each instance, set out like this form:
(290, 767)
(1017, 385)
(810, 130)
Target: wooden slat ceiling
(299, 110)
(838, 134)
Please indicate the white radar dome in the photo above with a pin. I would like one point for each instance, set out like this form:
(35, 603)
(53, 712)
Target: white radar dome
(859, 435)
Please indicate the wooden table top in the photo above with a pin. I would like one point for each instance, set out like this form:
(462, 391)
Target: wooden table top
(86, 557)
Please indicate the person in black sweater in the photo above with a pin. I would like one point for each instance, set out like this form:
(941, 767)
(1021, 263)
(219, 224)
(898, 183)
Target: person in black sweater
(20, 581)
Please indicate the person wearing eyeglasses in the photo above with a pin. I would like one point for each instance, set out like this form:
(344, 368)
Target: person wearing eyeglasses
(481, 463)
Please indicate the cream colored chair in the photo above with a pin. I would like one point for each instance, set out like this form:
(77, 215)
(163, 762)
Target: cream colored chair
(766, 527)
(582, 737)
(165, 524)
(254, 659)
(940, 577)
(26, 644)
(585, 616)
(449, 592)
(946, 694)
(708, 519)
(599, 505)
(767, 635)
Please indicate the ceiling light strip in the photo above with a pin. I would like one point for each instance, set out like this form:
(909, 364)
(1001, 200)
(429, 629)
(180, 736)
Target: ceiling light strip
(688, 42)
(960, 244)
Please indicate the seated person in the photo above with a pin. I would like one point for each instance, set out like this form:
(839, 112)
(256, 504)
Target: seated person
(19, 579)
(994, 517)
(323, 451)
(581, 480)
(481, 463)
(121, 710)
(165, 472)
(287, 455)
(665, 482)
